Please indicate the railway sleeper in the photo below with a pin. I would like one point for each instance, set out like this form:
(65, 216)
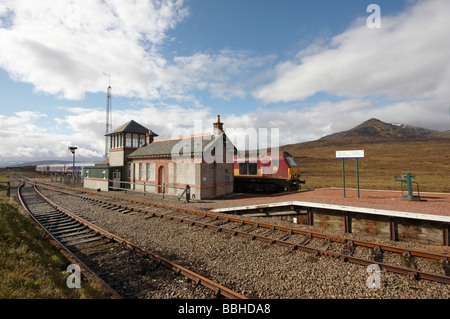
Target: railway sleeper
(445, 266)
(348, 250)
(51, 214)
(95, 245)
(63, 222)
(80, 227)
(305, 241)
(325, 245)
(62, 226)
(53, 220)
(285, 237)
(376, 254)
(268, 232)
(83, 241)
(222, 222)
(408, 261)
(82, 236)
(86, 230)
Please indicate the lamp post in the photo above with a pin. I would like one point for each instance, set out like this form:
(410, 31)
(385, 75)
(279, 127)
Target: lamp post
(72, 149)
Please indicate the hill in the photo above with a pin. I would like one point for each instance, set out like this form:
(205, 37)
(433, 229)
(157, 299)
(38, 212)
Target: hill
(390, 150)
(375, 130)
(36, 163)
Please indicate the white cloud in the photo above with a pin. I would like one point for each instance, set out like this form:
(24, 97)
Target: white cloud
(23, 140)
(63, 48)
(312, 122)
(408, 59)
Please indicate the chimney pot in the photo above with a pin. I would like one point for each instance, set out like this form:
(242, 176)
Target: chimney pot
(218, 126)
(149, 137)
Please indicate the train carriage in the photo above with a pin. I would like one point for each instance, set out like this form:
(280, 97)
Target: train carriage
(43, 169)
(62, 169)
(267, 173)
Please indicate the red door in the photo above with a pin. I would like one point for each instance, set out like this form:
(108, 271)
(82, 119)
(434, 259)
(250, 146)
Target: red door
(161, 178)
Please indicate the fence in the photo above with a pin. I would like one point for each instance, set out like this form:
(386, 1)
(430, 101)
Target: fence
(67, 179)
(5, 187)
(186, 190)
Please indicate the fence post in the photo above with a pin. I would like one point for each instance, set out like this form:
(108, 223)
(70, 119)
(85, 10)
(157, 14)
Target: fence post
(188, 193)
(164, 189)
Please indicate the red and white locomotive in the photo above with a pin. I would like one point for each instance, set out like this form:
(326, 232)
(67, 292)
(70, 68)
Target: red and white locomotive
(267, 173)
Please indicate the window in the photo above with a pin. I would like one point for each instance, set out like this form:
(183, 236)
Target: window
(252, 168)
(128, 140)
(87, 173)
(291, 161)
(120, 136)
(242, 168)
(149, 169)
(135, 140)
(104, 174)
(248, 169)
(141, 171)
(141, 140)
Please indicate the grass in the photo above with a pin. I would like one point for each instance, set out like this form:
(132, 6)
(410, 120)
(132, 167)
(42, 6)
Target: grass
(429, 161)
(30, 266)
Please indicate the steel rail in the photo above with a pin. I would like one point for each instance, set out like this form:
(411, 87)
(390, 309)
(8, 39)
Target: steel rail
(64, 250)
(290, 230)
(411, 273)
(218, 289)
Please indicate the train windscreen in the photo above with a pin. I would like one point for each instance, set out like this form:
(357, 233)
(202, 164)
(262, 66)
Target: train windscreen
(290, 160)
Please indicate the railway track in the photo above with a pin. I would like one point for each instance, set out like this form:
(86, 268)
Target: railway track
(123, 266)
(394, 259)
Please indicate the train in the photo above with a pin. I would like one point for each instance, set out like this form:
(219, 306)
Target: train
(60, 169)
(271, 172)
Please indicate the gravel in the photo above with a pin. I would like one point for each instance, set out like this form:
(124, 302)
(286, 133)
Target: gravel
(252, 268)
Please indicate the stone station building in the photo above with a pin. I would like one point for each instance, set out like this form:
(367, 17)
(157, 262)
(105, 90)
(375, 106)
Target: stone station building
(139, 162)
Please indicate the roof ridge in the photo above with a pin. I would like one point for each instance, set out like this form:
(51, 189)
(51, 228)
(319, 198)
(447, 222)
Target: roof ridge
(181, 137)
(131, 127)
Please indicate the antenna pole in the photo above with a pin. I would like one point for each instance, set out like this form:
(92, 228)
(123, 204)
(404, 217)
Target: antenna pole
(108, 115)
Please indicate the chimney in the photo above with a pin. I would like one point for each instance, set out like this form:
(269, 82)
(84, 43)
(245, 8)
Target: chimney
(149, 137)
(218, 126)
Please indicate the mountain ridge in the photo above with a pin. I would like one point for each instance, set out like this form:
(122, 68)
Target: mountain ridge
(374, 130)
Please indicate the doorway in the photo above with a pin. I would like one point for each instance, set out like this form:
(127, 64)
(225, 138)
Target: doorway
(161, 179)
(116, 179)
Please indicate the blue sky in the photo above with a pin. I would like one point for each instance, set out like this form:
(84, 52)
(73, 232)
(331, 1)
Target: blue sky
(309, 68)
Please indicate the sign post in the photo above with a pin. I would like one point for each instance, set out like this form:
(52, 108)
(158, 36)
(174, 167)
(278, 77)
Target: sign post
(350, 154)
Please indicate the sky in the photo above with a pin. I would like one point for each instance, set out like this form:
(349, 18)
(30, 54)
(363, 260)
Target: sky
(306, 68)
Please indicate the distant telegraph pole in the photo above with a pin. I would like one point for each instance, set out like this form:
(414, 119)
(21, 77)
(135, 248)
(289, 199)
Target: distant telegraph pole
(108, 115)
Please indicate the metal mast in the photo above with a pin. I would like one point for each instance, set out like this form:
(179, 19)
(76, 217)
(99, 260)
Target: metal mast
(108, 115)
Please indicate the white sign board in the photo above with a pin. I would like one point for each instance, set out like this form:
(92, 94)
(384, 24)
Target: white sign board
(350, 154)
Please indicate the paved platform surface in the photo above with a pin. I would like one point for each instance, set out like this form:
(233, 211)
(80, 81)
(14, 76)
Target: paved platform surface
(431, 203)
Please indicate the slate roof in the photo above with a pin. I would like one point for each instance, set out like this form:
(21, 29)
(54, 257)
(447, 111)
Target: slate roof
(177, 147)
(131, 127)
(103, 163)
